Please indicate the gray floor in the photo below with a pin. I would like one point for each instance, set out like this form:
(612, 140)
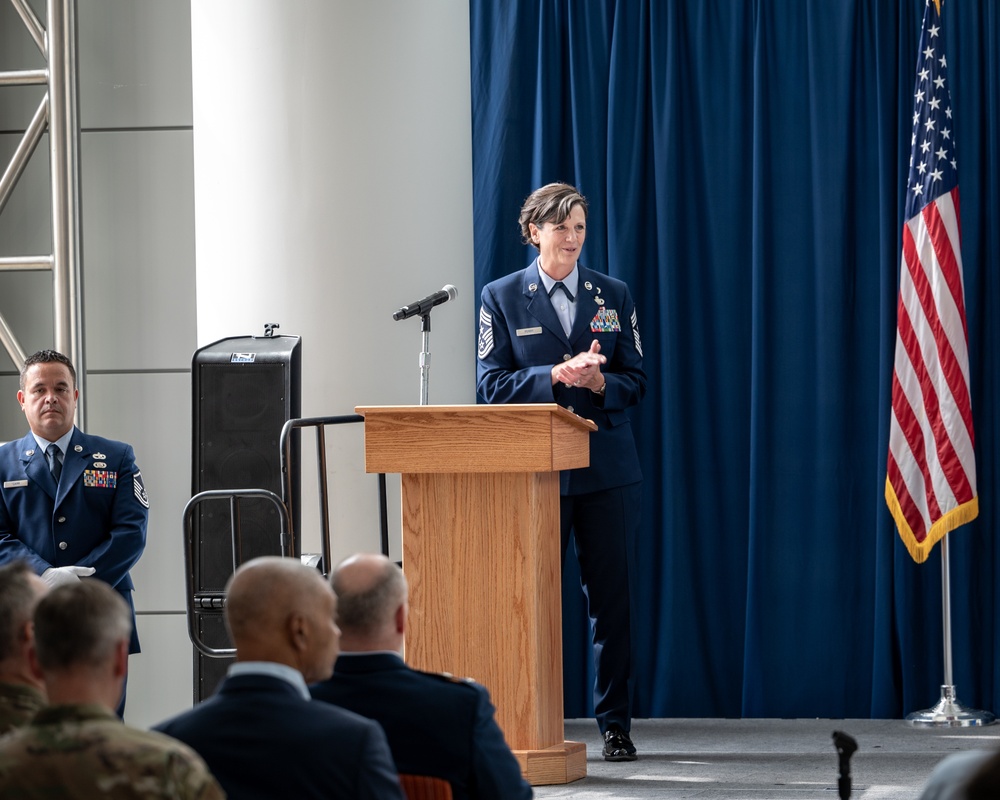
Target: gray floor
(783, 759)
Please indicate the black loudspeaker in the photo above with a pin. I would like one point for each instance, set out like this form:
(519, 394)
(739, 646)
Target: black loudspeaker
(245, 389)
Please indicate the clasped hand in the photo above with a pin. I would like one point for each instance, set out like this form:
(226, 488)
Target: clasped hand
(583, 369)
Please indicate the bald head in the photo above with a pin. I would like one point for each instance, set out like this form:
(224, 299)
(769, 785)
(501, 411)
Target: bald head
(372, 603)
(279, 610)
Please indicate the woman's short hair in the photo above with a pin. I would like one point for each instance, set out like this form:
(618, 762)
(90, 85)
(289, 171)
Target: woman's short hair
(551, 203)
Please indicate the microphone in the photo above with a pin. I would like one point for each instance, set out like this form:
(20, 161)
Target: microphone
(447, 292)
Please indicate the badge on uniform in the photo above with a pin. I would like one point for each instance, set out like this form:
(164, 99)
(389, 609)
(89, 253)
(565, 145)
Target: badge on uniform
(635, 333)
(100, 479)
(605, 321)
(139, 489)
(485, 332)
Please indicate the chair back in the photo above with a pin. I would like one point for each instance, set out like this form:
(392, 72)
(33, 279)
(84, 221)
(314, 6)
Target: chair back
(424, 787)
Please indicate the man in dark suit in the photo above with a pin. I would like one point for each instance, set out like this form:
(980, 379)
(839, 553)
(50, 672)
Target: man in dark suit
(557, 332)
(72, 505)
(436, 725)
(261, 734)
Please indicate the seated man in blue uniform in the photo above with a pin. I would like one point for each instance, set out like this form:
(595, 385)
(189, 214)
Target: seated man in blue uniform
(262, 735)
(72, 504)
(556, 332)
(437, 725)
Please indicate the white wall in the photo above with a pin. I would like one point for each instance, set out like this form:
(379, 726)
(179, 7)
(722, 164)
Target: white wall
(333, 185)
(305, 162)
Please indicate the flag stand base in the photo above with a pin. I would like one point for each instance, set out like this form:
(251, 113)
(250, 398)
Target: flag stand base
(948, 713)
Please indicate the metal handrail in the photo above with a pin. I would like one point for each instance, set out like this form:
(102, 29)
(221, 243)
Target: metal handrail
(215, 601)
(320, 424)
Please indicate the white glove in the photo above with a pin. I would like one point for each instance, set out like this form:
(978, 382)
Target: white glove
(57, 576)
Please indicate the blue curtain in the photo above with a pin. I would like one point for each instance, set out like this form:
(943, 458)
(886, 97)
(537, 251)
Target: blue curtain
(745, 162)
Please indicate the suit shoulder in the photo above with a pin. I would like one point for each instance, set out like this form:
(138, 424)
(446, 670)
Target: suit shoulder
(603, 279)
(89, 440)
(509, 282)
(12, 449)
(447, 681)
(338, 716)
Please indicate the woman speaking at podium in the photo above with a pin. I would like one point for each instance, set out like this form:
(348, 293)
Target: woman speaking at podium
(558, 332)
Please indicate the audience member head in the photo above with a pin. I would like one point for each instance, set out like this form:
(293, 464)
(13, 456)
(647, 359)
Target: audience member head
(985, 783)
(20, 591)
(279, 610)
(372, 603)
(82, 633)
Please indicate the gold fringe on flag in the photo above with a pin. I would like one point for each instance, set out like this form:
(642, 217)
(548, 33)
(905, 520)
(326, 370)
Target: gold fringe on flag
(919, 551)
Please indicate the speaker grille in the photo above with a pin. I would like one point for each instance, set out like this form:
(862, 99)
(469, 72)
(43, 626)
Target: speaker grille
(243, 410)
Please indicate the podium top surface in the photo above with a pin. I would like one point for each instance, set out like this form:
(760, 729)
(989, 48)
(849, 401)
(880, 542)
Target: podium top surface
(535, 437)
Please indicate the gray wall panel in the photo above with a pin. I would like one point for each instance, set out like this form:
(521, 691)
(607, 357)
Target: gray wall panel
(12, 422)
(152, 412)
(138, 239)
(26, 304)
(160, 677)
(18, 52)
(135, 63)
(26, 221)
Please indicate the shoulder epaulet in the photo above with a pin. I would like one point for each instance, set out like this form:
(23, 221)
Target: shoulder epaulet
(447, 676)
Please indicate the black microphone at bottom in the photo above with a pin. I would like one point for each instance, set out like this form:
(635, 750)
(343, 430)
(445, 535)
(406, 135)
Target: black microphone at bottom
(447, 292)
(846, 746)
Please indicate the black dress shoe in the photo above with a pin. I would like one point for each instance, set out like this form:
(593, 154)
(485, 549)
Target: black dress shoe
(618, 746)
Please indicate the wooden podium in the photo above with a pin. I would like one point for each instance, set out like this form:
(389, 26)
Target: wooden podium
(480, 497)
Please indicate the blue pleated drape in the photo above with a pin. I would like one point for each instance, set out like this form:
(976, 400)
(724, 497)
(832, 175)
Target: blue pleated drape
(744, 162)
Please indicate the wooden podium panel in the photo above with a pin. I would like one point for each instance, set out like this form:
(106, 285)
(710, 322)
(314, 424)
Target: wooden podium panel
(480, 513)
(500, 620)
(519, 438)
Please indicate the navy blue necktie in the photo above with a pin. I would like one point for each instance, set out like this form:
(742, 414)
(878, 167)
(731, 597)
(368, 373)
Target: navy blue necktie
(52, 452)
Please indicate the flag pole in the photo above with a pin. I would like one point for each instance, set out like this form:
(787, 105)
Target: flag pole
(948, 713)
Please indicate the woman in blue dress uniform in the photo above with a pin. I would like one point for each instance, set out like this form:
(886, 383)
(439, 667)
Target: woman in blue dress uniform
(558, 332)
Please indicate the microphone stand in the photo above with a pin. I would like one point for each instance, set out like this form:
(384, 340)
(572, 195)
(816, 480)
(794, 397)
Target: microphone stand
(425, 355)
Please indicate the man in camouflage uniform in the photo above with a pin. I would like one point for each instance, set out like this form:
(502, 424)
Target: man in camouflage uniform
(77, 747)
(21, 692)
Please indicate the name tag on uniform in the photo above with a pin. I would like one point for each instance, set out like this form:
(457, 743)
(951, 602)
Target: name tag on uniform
(14, 484)
(528, 331)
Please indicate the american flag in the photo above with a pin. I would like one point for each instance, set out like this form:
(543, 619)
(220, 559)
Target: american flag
(931, 478)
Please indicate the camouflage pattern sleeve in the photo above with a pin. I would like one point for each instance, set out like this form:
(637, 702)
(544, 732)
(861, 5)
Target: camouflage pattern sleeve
(18, 705)
(71, 752)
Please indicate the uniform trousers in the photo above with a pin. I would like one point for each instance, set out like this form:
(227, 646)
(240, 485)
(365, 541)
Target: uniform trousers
(604, 526)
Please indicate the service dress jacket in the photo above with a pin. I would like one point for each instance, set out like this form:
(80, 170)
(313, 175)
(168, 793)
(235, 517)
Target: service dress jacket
(96, 516)
(263, 740)
(436, 725)
(521, 339)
